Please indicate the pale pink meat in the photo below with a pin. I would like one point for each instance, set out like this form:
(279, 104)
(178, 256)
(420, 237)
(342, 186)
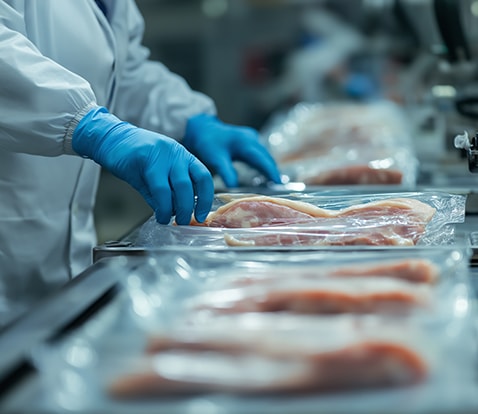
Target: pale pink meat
(413, 270)
(410, 270)
(394, 221)
(384, 235)
(356, 174)
(324, 296)
(318, 142)
(258, 211)
(369, 364)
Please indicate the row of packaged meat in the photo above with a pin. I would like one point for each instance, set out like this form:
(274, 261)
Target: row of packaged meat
(268, 324)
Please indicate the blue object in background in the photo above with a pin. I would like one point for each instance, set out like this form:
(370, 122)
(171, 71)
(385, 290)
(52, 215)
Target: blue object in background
(361, 86)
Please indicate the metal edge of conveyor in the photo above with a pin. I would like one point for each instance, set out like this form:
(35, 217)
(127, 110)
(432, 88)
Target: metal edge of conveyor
(474, 248)
(117, 248)
(108, 253)
(50, 318)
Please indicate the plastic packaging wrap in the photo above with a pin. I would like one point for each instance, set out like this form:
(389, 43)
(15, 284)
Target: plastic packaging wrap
(276, 355)
(344, 144)
(168, 288)
(152, 351)
(311, 220)
(322, 296)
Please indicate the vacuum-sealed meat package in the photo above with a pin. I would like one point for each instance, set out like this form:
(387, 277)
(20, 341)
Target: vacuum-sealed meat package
(307, 356)
(199, 285)
(344, 144)
(313, 220)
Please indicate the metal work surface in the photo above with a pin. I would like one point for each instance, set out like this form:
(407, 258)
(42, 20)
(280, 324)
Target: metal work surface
(64, 310)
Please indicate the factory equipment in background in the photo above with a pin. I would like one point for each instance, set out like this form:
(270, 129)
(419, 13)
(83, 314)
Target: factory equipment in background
(444, 74)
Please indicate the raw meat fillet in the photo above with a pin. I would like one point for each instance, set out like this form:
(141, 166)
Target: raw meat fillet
(275, 369)
(356, 174)
(413, 270)
(258, 211)
(269, 211)
(394, 221)
(410, 270)
(319, 296)
(379, 237)
(309, 149)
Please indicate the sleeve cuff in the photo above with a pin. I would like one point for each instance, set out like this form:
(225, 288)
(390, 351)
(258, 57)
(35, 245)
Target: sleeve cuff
(68, 138)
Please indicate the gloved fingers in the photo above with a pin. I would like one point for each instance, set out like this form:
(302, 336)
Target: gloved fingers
(222, 165)
(183, 194)
(204, 189)
(164, 208)
(160, 190)
(258, 157)
(146, 194)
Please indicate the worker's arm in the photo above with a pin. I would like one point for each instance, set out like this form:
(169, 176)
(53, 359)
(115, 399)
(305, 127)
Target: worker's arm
(48, 110)
(149, 94)
(153, 97)
(40, 99)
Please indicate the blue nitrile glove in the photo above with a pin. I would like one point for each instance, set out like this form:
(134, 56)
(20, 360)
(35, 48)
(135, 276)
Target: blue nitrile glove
(361, 87)
(161, 169)
(218, 144)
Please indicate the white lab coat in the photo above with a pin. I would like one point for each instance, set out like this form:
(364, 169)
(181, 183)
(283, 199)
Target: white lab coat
(58, 58)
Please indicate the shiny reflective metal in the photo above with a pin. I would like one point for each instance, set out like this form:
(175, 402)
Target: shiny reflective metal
(472, 154)
(447, 28)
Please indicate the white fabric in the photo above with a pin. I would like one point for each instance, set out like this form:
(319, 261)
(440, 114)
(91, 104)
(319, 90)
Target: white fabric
(58, 58)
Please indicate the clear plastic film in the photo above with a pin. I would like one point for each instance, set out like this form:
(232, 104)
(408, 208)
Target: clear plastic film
(153, 345)
(312, 220)
(419, 281)
(344, 144)
(278, 353)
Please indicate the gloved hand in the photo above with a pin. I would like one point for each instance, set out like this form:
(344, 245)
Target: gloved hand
(161, 169)
(218, 144)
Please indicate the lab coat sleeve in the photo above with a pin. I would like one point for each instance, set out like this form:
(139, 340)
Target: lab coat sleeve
(40, 101)
(149, 94)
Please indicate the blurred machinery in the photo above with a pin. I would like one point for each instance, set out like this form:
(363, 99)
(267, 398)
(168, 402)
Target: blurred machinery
(268, 53)
(439, 83)
(444, 74)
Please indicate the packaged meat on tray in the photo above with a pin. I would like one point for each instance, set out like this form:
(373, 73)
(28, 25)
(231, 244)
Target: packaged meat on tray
(277, 361)
(319, 296)
(313, 220)
(200, 285)
(158, 346)
(344, 144)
